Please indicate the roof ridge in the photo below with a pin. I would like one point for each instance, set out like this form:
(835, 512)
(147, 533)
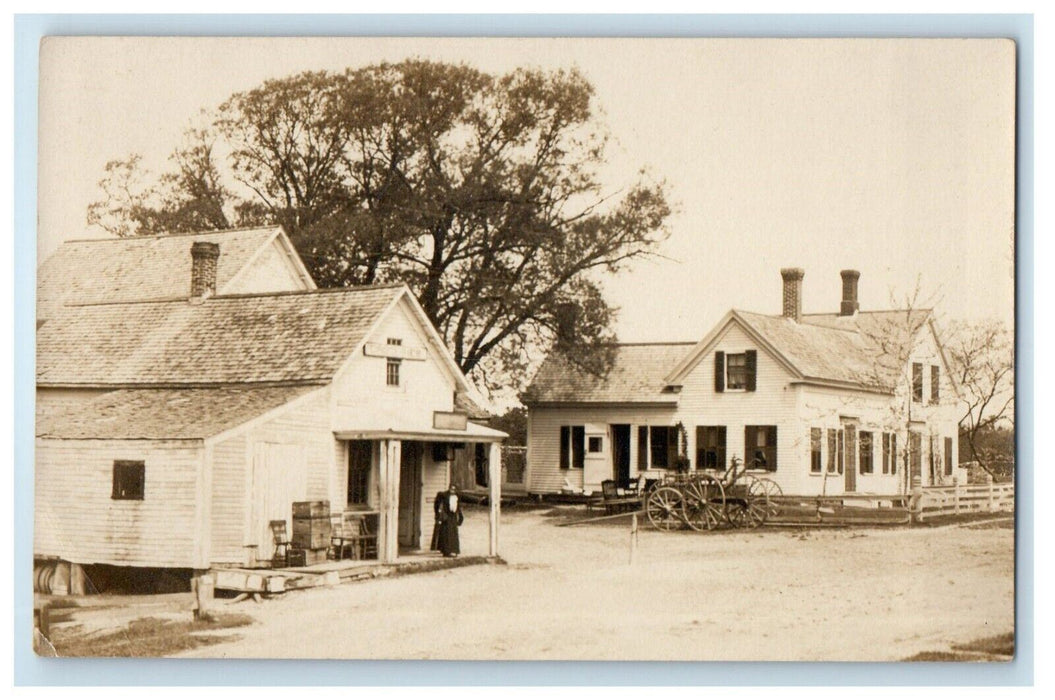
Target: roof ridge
(248, 295)
(174, 234)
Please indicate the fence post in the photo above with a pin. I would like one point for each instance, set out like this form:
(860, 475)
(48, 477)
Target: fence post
(915, 503)
(633, 537)
(956, 493)
(989, 485)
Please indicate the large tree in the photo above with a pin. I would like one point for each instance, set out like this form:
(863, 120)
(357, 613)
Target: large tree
(481, 192)
(983, 356)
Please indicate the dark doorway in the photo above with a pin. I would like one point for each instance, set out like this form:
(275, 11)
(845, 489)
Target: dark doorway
(621, 454)
(480, 455)
(410, 495)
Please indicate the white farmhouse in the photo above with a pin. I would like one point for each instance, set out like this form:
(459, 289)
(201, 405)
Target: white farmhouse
(190, 388)
(827, 403)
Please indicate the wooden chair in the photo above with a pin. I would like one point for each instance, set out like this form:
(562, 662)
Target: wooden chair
(280, 540)
(367, 539)
(342, 542)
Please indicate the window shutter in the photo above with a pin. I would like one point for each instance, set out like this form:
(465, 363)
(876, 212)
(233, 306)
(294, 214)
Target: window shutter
(750, 441)
(771, 447)
(578, 446)
(672, 447)
(719, 371)
(751, 363)
(721, 446)
(565, 445)
(642, 447)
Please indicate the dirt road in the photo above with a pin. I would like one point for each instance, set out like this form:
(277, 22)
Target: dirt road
(570, 593)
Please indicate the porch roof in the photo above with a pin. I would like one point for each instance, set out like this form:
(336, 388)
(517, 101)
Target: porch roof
(472, 433)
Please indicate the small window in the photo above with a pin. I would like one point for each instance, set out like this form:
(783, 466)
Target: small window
(935, 384)
(833, 449)
(736, 371)
(594, 444)
(917, 382)
(864, 459)
(392, 372)
(815, 450)
(129, 480)
(395, 341)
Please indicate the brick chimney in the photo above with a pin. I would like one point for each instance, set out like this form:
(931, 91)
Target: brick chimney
(793, 292)
(203, 269)
(849, 305)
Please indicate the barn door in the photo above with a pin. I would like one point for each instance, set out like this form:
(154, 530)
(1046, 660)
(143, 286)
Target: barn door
(279, 479)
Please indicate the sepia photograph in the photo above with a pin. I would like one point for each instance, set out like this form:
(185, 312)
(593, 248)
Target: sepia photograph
(550, 349)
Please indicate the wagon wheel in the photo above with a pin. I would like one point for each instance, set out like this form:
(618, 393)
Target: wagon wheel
(704, 502)
(664, 508)
(771, 492)
(745, 509)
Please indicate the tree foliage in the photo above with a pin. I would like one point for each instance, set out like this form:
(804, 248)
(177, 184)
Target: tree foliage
(982, 355)
(481, 192)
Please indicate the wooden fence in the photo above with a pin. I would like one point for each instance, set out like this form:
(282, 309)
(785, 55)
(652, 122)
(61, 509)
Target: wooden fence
(965, 498)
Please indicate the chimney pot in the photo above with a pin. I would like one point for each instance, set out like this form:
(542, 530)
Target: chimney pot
(849, 304)
(203, 269)
(793, 292)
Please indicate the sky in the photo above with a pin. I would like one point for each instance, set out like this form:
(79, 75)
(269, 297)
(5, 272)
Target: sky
(892, 157)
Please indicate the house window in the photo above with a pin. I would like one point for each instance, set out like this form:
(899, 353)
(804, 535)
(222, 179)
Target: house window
(760, 447)
(572, 444)
(917, 382)
(664, 446)
(816, 437)
(948, 456)
(889, 453)
(710, 447)
(360, 457)
(642, 447)
(864, 459)
(392, 372)
(129, 480)
(395, 341)
(594, 444)
(736, 371)
(935, 384)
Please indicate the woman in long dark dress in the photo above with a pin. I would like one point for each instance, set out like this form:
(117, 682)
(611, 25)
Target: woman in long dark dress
(448, 510)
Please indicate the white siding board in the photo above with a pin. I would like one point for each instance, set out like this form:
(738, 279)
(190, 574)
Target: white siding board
(77, 520)
(229, 474)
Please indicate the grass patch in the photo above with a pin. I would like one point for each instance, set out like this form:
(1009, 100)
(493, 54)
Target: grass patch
(148, 637)
(997, 648)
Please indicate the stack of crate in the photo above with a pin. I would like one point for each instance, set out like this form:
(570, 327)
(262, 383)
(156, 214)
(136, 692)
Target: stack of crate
(311, 531)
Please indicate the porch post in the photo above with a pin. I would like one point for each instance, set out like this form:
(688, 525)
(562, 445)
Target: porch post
(388, 519)
(494, 495)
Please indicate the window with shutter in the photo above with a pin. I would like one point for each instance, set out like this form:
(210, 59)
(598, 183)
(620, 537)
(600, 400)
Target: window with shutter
(578, 446)
(751, 363)
(760, 446)
(710, 447)
(662, 437)
(565, 446)
(816, 465)
(719, 371)
(917, 382)
(642, 447)
(833, 450)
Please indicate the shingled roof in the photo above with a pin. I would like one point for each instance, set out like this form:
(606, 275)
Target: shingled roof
(635, 376)
(163, 414)
(296, 337)
(138, 268)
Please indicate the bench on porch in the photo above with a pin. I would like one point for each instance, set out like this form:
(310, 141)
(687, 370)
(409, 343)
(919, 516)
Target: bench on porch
(616, 500)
